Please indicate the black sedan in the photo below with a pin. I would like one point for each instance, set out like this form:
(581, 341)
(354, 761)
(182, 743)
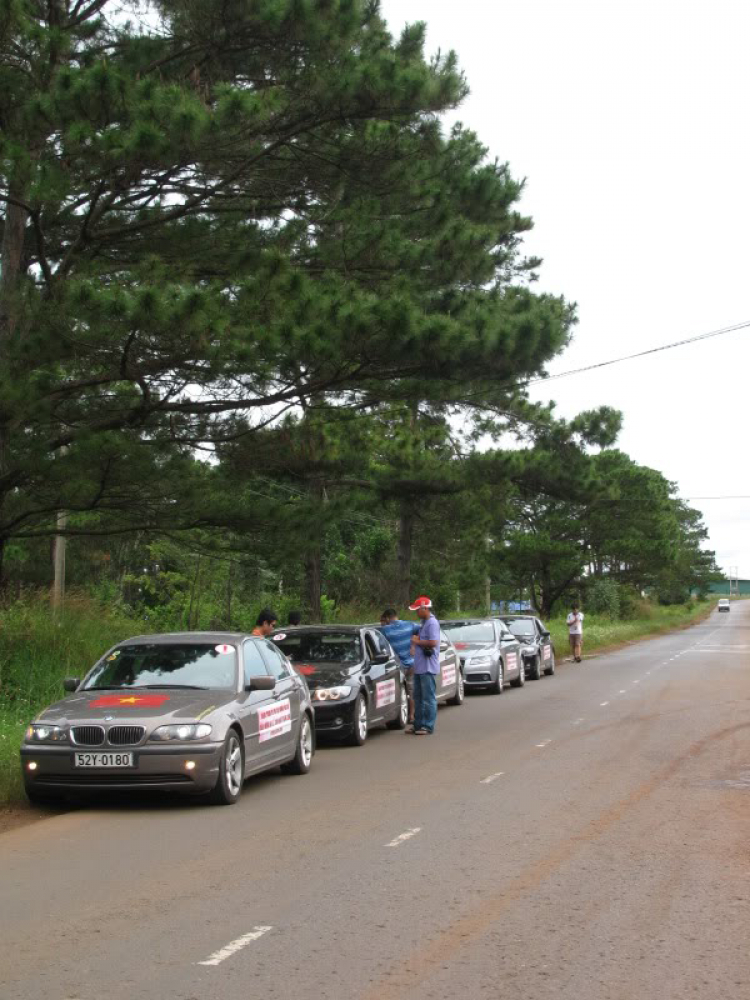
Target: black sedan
(536, 645)
(354, 678)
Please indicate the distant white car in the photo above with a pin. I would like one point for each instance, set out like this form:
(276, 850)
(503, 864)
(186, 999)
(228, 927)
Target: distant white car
(724, 604)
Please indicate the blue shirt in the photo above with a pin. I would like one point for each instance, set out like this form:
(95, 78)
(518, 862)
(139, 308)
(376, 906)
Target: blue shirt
(428, 664)
(399, 635)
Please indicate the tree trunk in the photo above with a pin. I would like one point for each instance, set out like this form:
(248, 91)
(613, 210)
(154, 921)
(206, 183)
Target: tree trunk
(192, 593)
(10, 269)
(314, 584)
(405, 536)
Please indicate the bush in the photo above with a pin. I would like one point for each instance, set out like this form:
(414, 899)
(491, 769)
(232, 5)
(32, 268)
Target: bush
(603, 598)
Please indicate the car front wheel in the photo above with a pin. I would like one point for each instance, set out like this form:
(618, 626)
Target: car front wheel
(458, 697)
(550, 668)
(359, 722)
(536, 671)
(302, 760)
(228, 787)
(499, 685)
(521, 679)
(403, 711)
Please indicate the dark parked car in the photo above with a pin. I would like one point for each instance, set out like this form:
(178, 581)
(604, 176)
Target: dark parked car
(489, 653)
(189, 712)
(354, 677)
(536, 645)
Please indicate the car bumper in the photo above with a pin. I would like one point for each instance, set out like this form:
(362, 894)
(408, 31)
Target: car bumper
(334, 720)
(480, 678)
(163, 768)
(723, 609)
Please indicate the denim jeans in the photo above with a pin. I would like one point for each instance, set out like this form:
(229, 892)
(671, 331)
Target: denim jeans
(425, 702)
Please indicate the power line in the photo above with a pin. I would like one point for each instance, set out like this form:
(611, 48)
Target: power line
(642, 354)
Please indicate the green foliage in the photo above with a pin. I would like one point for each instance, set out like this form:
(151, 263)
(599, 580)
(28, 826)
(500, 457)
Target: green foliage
(603, 597)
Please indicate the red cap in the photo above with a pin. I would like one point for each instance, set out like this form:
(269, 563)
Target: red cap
(421, 602)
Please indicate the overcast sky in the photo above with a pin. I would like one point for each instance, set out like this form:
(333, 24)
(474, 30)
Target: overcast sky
(629, 121)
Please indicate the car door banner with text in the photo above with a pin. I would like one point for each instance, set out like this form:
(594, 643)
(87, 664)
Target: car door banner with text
(385, 693)
(274, 720)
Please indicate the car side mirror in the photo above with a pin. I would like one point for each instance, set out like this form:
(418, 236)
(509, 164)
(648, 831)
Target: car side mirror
(444, 647)
(260, 682)
(71, 683)
(545, 635)
(379, 658)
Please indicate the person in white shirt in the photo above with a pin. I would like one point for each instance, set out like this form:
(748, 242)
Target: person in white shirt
(575, 632)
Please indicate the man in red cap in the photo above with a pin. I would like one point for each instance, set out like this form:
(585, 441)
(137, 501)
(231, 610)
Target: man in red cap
(425, 650)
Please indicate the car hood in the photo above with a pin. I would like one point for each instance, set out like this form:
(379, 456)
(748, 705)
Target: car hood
(326, 675)
(469, 648)
(136, 705)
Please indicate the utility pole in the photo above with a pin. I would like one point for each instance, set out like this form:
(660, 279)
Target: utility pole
(58, 587)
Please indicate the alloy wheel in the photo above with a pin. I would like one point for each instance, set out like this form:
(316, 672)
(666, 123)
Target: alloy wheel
(233, 766)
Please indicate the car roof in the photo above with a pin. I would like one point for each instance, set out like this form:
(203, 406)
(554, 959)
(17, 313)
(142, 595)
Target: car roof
(505, 618)
(464, 621)
(322, 629)
(167, 638)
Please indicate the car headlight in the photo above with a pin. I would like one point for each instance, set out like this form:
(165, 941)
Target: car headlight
(331, 694)
(182, 732)
(480, 661)
(38, 732)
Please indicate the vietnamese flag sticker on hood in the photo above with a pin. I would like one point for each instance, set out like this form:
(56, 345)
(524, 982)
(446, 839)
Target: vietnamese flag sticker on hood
(129, 701)
(306, 669)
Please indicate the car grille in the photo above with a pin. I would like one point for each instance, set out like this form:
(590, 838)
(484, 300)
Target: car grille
(125, 736)
(107, 778)
(478, 678)
(87, 736)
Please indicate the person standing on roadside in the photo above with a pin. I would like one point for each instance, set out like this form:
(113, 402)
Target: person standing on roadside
(399, 634)
(575, 632)
(424, 649)
(265, 623)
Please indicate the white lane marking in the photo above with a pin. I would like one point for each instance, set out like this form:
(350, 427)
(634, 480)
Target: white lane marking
(622, 692)
(604, 704)
(544, 744)
(404, 836)
(648, 673)
(492, 777)
(636, 682)
(578, 722)
(234, 946)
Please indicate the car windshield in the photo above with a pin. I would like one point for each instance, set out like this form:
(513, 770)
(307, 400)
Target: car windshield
(471, 632)
(178, 665)
(328, 647)
(521, 626)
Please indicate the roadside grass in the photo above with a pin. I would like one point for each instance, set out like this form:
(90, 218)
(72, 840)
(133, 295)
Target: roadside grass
(600, 631)
(37, 651)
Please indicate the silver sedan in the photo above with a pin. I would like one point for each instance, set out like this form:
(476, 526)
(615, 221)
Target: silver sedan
(190, 712)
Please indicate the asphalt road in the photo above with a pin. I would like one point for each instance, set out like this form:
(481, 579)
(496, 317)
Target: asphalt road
(585, 837)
